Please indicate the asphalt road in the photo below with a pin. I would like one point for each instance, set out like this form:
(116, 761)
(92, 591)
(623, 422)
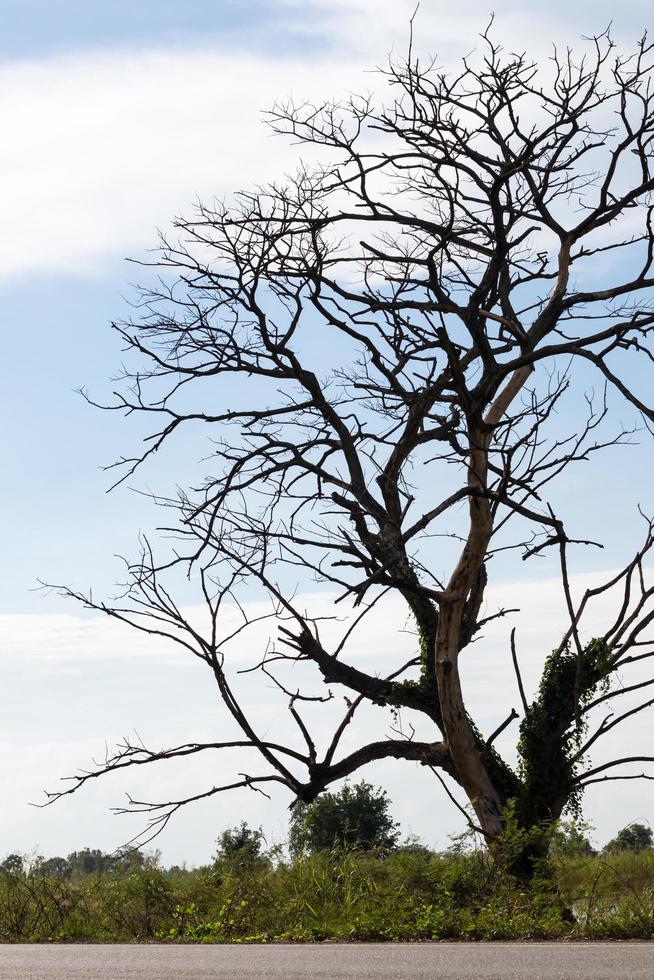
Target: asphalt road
(449, 961)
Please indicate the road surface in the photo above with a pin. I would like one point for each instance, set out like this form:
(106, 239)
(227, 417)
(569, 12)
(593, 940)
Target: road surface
(449, 961)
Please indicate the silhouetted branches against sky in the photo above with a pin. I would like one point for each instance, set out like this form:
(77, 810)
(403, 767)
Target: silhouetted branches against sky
(381, 348)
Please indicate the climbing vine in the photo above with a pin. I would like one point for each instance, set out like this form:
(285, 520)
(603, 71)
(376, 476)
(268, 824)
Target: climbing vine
(553, 730)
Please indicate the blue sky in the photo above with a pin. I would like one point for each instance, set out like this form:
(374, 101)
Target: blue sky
(115, 115)
(35, 28)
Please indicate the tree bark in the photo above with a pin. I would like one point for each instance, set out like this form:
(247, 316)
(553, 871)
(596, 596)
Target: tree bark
(462, 740)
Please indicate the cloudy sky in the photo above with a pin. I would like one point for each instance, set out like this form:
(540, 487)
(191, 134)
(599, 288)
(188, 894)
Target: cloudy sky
(115, 117)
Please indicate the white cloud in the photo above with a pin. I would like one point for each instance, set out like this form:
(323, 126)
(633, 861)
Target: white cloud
(101, 147)
(74, 684)
(446, 28)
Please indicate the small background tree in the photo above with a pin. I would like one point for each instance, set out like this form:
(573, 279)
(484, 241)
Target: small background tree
(241, 843)
(55, 867)
(634, 837)
(570, 839)
(354, 817)
(13, 864)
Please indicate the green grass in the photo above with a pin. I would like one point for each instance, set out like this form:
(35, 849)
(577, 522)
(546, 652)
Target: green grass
(350, 897)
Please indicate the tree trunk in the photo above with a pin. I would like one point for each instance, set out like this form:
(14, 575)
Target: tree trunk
(461, 739)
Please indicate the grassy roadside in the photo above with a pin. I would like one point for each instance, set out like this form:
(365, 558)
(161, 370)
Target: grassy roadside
(347, 897)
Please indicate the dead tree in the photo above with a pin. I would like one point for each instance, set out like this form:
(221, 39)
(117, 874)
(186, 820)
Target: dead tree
(378, 348)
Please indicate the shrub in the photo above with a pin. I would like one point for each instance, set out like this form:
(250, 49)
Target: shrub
(355, 817)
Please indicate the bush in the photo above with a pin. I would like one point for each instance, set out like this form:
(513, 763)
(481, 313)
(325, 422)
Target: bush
(343, 895)
(356, 817)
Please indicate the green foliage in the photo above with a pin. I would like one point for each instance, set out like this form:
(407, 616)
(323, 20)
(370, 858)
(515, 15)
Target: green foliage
(553, 729)
(634, 837)
(242, 843)
(612, 896)
(570, 839)
(123, 900)
(338, 895)
(12, 864)
(93, 861)
(413, 845)
(89, 860)
(54, 867)
(426, 617)
(354, 817)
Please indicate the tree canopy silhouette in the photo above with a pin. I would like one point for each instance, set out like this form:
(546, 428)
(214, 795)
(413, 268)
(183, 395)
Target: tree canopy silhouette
(380, 348)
